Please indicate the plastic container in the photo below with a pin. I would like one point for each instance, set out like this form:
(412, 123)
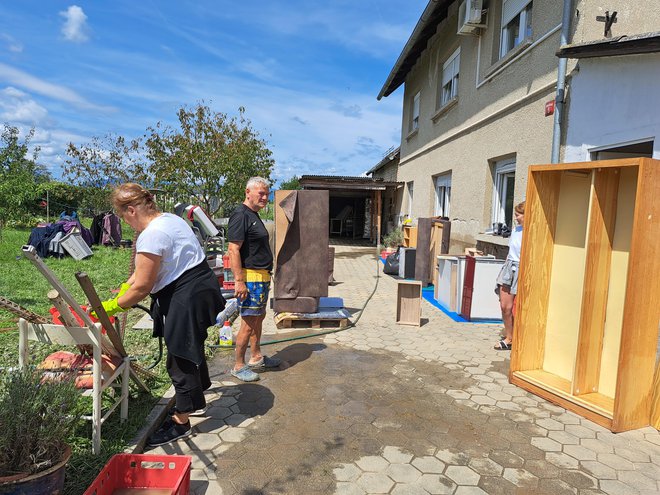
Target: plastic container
(74, 244)
(56, 317)
(143, 473)
(226, 335)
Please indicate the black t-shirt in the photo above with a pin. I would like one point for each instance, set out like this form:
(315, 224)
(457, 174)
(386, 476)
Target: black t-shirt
(245, 226)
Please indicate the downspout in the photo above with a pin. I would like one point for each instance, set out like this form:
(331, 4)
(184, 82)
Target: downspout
(561, 81)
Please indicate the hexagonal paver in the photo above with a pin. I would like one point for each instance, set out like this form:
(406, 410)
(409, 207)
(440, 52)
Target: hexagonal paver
(599, 470)
(462, 475)
(550, 424)
(375, 482)
(546, 444)
(372, 463)
(564, 438)
(429, 464)
(637, 480)
(615, 461)
(406, 489)
(469, 490)
(436, 484)
(204, 441)
(614, 487)
(347, 472)
(562, 460)
(486, 467)
(344, 488)
(403, 473)
(395, 454)
(580, 453)
(632, 455)
(521, 478)
(453, 457)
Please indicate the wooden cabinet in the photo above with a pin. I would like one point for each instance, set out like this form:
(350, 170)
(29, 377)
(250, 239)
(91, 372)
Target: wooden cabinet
(409, 302)
(409, 236)
(588, 302)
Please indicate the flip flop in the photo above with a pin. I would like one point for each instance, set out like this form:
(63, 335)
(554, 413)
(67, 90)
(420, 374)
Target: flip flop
(502, 346)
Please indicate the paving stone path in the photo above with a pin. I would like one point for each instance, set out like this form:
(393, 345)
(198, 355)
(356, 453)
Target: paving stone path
(384, 408)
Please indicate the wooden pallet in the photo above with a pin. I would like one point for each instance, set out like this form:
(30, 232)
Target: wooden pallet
(296, 322)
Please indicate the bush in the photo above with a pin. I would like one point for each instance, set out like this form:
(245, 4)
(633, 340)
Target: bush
(36, 420)
(394, 238)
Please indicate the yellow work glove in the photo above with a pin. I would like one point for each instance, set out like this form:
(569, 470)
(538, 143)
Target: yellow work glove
(111, 307)
(123, 288)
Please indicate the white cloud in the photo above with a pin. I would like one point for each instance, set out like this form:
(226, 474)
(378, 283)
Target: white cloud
(75, 25)
(29, 82)
(12, 44)
(17, 107)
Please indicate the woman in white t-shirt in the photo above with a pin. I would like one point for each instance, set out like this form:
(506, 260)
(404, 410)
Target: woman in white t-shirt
(171, 267)
(507, 280)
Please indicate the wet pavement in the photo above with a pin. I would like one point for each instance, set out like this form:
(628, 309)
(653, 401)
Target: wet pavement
(385, 408)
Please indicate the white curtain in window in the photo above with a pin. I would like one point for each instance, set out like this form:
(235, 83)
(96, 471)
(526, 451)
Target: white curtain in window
(451, 67)
(511, 8)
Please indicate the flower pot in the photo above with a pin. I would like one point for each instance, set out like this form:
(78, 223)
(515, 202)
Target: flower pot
(48, 482)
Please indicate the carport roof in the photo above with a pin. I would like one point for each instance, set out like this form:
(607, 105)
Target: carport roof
(345, 182)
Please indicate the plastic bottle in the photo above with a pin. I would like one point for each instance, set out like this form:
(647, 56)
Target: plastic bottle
(226, 336)
(231, 309)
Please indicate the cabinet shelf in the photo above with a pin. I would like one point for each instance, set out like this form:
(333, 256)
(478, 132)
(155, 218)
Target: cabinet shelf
(588, 301)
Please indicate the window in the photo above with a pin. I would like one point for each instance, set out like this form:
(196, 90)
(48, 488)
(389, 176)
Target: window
(442, 195)
(505, 179)
(516, 24)
(414, 123)
(449, 81)
(410, 198)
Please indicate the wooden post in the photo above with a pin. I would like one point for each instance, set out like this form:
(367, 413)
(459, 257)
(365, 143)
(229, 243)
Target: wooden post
(379, 212)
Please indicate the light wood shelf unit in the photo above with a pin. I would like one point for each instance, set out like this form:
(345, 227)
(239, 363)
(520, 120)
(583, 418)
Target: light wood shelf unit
(409, 236)
(588, 302)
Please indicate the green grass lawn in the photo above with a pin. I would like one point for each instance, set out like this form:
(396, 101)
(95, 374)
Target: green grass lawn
(107, 268)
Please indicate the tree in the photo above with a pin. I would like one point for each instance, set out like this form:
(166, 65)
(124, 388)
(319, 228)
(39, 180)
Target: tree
(209, 159)
(103, 163)
(291, 185)
(20, 175)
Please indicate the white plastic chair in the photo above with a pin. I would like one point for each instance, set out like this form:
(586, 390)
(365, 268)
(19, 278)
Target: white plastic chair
(63, 335)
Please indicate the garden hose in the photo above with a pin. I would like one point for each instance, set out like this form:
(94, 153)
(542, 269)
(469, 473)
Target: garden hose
(316, 334)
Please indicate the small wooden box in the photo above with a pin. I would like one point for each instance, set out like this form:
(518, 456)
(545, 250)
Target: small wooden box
(409, 303)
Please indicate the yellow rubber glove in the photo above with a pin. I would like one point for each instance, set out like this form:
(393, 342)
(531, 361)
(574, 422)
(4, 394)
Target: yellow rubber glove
(111, 307)
(123, 288)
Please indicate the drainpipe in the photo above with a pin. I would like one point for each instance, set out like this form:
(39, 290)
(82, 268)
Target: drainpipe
(561, 81)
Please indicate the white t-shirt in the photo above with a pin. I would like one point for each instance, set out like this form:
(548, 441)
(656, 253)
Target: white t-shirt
(171, 238)
(514, 244)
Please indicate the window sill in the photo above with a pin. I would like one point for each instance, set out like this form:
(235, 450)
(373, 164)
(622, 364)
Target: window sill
(510, 56)
(493, 239)
(412, 134)
(444, 109)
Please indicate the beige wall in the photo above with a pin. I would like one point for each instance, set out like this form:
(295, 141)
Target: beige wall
(498, 114)
(633, 17)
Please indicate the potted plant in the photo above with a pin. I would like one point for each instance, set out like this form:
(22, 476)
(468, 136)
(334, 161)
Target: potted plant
(36, 419)
(392, 240)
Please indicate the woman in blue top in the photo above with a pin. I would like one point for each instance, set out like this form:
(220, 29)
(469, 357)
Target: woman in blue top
(507, 280)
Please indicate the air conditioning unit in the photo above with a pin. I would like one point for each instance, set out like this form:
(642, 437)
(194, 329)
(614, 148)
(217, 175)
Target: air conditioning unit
(470, 17)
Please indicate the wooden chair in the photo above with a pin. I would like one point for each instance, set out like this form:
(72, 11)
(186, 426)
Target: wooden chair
(65, 335)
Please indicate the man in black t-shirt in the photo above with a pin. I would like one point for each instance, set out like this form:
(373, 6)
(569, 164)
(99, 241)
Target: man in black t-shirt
(251, 262)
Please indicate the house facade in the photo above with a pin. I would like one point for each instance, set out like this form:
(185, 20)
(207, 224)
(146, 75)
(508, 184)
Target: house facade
(387, 170)
(614, 47)
(474, 114)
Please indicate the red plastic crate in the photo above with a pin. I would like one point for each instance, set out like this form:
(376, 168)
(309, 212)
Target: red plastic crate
(167, 473)
(228, 284)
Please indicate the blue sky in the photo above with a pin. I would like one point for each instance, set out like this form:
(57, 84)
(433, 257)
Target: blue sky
(307, 73)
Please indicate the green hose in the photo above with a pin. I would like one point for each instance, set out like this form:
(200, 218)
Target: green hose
(315, 334)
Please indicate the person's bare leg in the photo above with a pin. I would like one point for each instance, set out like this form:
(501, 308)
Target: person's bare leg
(255, 338)
(180, 418)
(506, 305)
(243, 336)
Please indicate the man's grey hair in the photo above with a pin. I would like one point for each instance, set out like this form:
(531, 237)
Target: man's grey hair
(257, 181)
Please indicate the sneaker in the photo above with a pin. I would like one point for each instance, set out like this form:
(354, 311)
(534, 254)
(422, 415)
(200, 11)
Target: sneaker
(265, 363)
(245, 374)
(169, 432)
